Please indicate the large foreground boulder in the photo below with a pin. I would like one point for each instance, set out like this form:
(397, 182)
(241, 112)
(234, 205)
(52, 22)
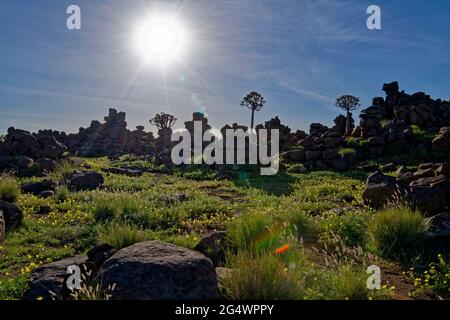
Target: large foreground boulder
(51, 278)
(86, 181)
(12, 215)
(154, 270)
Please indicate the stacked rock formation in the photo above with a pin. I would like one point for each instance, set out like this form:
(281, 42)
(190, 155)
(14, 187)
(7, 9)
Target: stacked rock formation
(320, 149)
(110, 138)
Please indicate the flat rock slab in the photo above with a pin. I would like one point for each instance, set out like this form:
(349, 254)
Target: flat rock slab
(154, 270)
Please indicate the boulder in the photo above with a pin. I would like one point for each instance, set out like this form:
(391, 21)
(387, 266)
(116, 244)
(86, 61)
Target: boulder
(427, 199)
(100, 253)
(46, 194)
(47, 165)
(52, 277)
(330, 154)
(39, 187)
(339, 164)
(441, 143)
(25, 163)
(297, 155)
(320, 165)
(86, 181)
(437, 238)
(12, 215)
(51, 148)
(313, 155)
(443, 169)
(2, 228)
(379, 190)
(214, 245)
(156, 270)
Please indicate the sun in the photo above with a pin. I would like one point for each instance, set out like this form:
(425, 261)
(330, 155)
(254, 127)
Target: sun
(160, 39)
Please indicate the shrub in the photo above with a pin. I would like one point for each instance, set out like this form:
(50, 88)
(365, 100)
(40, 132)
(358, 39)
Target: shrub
(256, 232)
(120, 235)
(9, 189)
(61, 194)
(261, 277)
(65, 170)
(397, 232)
(106, 210)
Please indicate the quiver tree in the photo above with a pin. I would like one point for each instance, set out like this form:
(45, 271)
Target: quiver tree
(254, 101)
(163, 121)
(348, 103)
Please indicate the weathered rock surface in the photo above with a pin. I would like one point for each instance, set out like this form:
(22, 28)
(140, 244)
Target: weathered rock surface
(86, 180)
(380, 190)
(214, 245)
(156, 270)
(12, 215)
(52, 278)
(39, 187)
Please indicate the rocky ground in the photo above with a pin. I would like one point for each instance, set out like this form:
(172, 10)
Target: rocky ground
(140, 228)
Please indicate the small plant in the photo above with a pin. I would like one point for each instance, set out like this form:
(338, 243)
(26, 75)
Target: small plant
(9, 189)
(397, 232)
(106, 210)
(61, 194)
(435, 280)
(120, 235)
(65, 170)
(256, 233)
(262, 277)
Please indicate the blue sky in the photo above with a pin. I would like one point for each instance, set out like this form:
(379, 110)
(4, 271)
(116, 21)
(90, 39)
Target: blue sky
(300, 54)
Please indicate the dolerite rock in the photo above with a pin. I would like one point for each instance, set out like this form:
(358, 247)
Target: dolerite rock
(379, 190)
(86, 180)
(25, 163)
(46, 194)
(437, 238)
(47, 165)
(52, 277)
(339, 164)
(214, 245)
(295, 155)
(442, 142)
(100, 253)
(2, 228)
(154, 270)
(12, 215)
(38, 187)
(51, 148)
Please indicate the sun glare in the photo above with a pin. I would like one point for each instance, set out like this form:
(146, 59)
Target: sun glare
(161, 39)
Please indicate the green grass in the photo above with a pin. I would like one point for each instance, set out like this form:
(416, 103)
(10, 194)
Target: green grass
(9, 188)
(260, 214)
(121, 235)
(397, 233)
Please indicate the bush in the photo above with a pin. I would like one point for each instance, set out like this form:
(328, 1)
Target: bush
(261, 277)
(9, 189)
(106, 210)
(397, 233)
(256, 232)
(61, 194)
(120, 235)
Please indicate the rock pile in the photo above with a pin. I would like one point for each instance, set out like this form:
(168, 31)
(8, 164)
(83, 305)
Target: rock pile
(427, 188)
(110, 138)
(320, 149)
